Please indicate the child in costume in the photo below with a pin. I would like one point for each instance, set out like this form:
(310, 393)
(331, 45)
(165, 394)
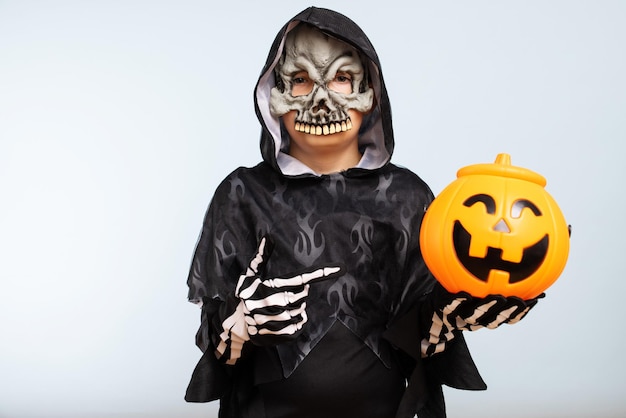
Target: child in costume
(315, 299)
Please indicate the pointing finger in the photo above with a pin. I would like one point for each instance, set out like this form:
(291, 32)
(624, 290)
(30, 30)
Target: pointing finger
(316, 275)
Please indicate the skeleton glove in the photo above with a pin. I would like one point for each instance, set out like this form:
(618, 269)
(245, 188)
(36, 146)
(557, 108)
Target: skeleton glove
(461, 311)
(265, 311)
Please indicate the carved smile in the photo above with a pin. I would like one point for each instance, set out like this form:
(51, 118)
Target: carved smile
(324, 129)
(532, 257)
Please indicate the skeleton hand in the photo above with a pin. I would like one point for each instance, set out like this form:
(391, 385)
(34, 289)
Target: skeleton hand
(462, 311)
(268, 311)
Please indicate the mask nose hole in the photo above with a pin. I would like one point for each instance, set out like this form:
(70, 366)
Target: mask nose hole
(501, 226)
(320, 107)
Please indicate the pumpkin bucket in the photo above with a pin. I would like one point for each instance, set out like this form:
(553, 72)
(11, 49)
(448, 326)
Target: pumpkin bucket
(495, 230)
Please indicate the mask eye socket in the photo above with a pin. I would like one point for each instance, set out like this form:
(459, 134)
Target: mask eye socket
(520, 205)
(342, 83)
(488, 201)
(301, 84)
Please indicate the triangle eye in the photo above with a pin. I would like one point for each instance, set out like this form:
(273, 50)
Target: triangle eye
(519, 205)
(488, 201)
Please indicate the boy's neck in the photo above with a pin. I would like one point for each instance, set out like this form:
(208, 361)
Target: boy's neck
(328, 161)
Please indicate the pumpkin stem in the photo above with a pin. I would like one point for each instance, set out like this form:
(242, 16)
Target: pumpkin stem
(503, 159)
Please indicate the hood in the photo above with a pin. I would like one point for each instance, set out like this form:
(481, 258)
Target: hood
(376, 135)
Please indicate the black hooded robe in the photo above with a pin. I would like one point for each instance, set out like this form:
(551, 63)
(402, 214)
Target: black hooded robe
(360, 345)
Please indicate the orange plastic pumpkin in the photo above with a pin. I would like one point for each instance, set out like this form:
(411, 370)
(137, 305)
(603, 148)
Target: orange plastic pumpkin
(495, 230)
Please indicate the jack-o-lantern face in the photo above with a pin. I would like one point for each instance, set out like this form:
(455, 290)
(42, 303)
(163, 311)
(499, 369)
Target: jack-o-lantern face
(495, 230)
(480, 264)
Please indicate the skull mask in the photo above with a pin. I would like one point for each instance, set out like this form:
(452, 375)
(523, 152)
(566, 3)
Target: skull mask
(323, 110)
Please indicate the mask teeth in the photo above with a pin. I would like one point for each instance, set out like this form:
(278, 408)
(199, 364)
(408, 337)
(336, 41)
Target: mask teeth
(328, 129)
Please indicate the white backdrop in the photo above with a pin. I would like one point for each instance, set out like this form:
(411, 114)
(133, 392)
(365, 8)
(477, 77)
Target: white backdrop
(118, 119)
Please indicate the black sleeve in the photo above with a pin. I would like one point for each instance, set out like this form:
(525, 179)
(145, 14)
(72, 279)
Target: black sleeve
(454, 367)
(210, 379)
